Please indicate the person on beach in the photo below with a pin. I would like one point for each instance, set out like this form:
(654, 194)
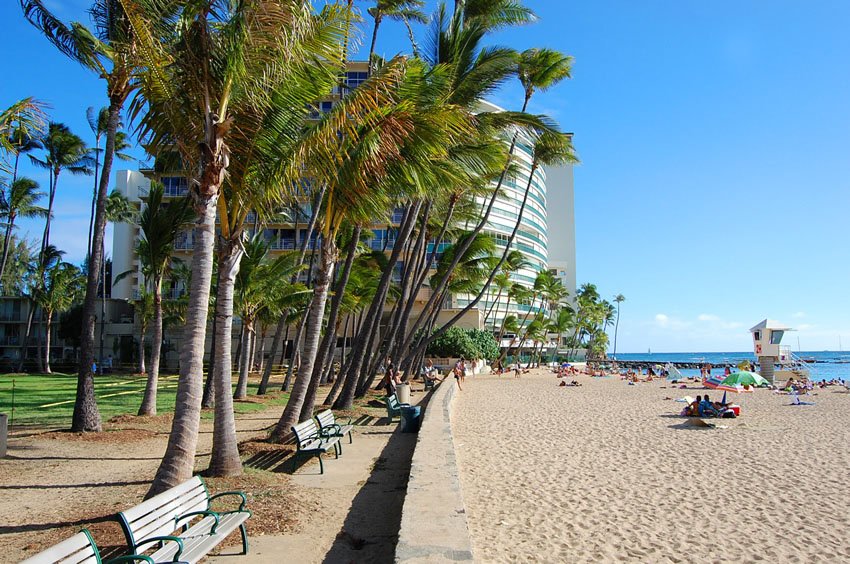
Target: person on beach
(458, 372)
(391, 378)
(517, 369)
(706, 408)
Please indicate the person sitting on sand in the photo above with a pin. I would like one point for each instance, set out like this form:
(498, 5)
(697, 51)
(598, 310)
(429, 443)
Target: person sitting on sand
(693, 408)
(706, 408)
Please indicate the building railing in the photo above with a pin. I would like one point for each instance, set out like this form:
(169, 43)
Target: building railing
(10, 340)
(14, 317)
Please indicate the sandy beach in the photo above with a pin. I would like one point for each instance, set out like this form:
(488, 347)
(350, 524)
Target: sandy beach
(609, 472)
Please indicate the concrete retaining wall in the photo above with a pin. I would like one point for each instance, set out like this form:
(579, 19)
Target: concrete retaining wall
(433, 521)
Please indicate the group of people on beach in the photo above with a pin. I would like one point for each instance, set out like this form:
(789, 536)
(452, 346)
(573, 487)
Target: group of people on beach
(704, 407)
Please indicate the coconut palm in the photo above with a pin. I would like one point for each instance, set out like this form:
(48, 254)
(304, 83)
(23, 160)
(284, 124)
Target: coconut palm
(219, 83)
(99, 123)
(105, 50)
(22, 143)
(63, 284)
(399, 10)
(20, 202)
(160, 225)
(20, 123)
(561, 321)
(65, 151)
(618, 299)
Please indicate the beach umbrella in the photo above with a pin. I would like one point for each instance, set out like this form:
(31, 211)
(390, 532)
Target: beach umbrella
(744, 378)
(737, 388)
(714, 382)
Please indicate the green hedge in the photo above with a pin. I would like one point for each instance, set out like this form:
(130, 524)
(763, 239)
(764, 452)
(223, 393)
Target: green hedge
(468, 343)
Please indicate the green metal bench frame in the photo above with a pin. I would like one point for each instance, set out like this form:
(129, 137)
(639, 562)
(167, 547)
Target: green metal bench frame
(80, 547)
(311, 442)
(394, 408)
(176, 508)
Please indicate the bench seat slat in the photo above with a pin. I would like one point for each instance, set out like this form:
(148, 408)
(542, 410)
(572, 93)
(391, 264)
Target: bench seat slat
(162, 499)
(161, 521)
(75, 550)
(197, 542)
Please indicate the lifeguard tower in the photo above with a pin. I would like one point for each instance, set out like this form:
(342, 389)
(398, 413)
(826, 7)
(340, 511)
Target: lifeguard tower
(767, 337)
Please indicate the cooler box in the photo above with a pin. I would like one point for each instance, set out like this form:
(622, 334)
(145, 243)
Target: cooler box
(736, 409)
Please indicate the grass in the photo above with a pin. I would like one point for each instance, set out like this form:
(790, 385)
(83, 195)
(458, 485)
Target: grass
(48, 399)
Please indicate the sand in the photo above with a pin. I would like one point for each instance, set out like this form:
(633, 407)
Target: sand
(608, 472)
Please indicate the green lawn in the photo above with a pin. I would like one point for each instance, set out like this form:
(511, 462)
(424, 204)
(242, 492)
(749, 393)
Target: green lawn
(48, 399)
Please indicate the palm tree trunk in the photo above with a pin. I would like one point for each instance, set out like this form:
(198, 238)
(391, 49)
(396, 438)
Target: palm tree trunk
(179, 460)
(148, 406)
(328, 258)
(142, 330)
(374, 41)
(276, 343)
(225, 459)
(245, 364)
(94, 191)
(208, 399)
(86, 414)
(372, 319)
(450, 323)
(294, 356)
(26, 341)
(260, 356)
(6, 242)
(48, 323)
(616, 328)
(327, 344)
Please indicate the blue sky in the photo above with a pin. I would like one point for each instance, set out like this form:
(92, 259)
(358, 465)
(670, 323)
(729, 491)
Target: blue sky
(715, 177)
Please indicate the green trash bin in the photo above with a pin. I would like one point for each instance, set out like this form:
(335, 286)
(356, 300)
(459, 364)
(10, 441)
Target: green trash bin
(410, 418)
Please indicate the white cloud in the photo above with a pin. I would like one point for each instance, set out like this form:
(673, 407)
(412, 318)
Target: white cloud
(661, 319)
(708, 317)
(799, 314)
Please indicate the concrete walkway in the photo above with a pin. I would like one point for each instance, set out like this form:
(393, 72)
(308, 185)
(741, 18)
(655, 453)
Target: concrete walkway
(361, 497)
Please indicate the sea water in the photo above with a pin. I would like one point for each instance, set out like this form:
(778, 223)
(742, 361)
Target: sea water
(828, 365)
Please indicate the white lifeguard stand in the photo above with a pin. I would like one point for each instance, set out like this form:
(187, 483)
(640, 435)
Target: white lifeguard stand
(767, 337)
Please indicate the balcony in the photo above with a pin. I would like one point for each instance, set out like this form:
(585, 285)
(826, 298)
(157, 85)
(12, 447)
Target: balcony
(282, 245)
(13, 317)
(10, 341)
(184, 245)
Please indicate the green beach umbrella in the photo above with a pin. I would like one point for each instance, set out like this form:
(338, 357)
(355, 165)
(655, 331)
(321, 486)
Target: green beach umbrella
(744, 378)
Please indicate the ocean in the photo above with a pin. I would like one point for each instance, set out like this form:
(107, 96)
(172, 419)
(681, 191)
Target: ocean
(829, 365)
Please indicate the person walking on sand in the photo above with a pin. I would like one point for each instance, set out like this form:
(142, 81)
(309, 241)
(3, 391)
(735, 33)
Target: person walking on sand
(517, 369)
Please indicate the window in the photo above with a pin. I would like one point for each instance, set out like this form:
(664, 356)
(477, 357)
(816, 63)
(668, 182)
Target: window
(353, 79)
(776, 337)
(175, 185)
(757, 335)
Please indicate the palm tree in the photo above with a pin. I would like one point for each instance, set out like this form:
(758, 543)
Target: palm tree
(21, 201)
(560, 323)
(63, 284)
(231, 100)
(99, 123)
(618, 299)
(65, 151)
(22, 143)
(20, 123)
(160, 224)
(538, 70)
(106, 50)
(403, 10)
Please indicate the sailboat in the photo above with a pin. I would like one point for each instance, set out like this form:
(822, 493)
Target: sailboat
(648, 351)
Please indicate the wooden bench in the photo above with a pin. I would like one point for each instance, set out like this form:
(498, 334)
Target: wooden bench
(180, 524)
(328, 427)
(79, 549)
(394, 408)
(312, 443)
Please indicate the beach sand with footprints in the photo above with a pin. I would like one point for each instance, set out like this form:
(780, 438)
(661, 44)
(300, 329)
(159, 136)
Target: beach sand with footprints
(609, 472)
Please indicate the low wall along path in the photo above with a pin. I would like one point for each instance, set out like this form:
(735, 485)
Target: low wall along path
(433, 521)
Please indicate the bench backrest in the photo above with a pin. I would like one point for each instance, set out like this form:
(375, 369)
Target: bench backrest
(326, 418)
(79, 549)
(305, 432)
(392, 402)
(156, 516)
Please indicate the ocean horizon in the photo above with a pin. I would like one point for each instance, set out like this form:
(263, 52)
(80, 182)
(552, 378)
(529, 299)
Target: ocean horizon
(827, 365)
